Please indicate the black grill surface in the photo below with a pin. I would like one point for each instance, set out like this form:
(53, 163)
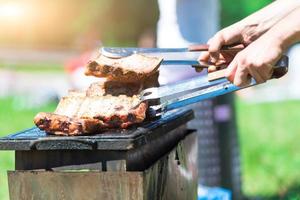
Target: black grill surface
(35, 139)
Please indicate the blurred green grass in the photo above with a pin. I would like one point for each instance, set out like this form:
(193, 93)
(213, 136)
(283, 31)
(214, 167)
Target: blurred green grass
(269, 136)
(270, 151)
(12, 120)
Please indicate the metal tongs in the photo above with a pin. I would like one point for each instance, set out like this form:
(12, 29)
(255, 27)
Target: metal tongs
(173, 96)
(172, 56)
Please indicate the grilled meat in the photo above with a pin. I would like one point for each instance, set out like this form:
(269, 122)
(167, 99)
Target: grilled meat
(134, 68)
(114, 88)
(101, 107)
(104, 105)
(63, 125)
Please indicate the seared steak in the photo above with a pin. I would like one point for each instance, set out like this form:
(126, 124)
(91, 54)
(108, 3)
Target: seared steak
(133, 68)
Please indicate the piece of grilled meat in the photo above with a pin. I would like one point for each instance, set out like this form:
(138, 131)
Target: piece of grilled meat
(134, 68)
(104, 105)
(101, 107)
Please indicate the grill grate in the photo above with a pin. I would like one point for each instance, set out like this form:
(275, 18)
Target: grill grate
(110, 140)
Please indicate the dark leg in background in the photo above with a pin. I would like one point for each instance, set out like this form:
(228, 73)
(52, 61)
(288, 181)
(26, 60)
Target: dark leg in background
(229, 144)
(218, 149)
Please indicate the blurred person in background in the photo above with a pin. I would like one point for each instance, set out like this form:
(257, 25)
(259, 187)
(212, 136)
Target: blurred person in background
(147, 39)
(182, 23)
(186, 22)
(88, 44)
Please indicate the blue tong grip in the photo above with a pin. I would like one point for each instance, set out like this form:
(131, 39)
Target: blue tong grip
(225, 87)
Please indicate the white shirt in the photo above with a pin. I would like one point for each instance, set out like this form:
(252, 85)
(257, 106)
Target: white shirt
(181, 23)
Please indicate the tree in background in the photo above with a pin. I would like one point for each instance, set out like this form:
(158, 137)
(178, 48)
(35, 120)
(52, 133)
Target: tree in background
(59, 23)
(234, 10)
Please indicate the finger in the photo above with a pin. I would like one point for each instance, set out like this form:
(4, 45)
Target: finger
(258, 77)
(204, 57)
(228, 56)
(215, 45)
(223, 37)
(212, 68)
(231, 70)
(241, 77)
(266, 72)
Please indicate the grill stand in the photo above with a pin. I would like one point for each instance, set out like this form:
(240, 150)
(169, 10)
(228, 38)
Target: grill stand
(162, 168)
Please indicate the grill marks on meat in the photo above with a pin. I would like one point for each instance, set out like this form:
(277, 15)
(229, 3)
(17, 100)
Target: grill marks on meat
(114, 88)
(133, 68)
(63, 125)
(102, 106)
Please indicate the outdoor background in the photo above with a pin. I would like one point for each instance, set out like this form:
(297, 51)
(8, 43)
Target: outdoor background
(41, 40)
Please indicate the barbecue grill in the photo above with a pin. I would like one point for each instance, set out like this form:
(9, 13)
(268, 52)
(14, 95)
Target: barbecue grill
(156, 160)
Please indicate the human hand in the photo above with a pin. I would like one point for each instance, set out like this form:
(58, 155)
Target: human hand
(278, 20)
(250, 28)
(240, 32)
(256, 60)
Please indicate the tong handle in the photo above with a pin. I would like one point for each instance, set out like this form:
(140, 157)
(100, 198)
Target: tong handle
(222, 86)
(281, 67)
(204, 47)
(279, 70)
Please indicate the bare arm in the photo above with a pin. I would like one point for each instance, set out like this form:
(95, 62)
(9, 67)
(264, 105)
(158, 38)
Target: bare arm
(253, 26)
(287, 31)
(258, 58)
(267, 33)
